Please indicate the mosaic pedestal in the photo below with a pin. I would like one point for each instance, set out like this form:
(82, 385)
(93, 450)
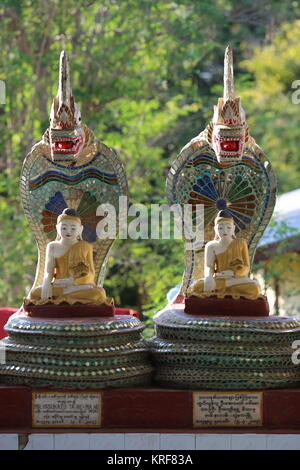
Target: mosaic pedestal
(75, 353)
(224, 353)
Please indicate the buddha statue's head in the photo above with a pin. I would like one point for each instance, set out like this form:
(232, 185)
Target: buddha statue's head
(67, 135)
(228, 130)
(224, 226)
(69, 227)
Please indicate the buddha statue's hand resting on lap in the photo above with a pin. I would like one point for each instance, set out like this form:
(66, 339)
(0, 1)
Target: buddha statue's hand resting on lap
(227, 265)
(69, 269)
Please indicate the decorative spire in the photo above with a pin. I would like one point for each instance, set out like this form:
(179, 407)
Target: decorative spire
(65, 113)
(64, 92)
(229, 111)
(229, 93)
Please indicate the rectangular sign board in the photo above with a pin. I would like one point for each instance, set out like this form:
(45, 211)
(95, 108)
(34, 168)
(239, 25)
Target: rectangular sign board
(220, 409)
(76, 409)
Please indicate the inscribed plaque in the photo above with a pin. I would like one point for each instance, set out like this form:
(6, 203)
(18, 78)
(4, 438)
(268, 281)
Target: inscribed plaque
(76, 409)
(213, 409)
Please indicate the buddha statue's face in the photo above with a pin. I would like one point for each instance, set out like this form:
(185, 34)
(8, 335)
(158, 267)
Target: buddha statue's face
(225, 230)
(69, 230)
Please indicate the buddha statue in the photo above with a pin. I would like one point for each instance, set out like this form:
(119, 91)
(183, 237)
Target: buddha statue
(69, 274)
(227, 265)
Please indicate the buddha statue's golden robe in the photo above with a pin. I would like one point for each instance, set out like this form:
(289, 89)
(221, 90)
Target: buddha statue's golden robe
(77, 263)
(236, 259)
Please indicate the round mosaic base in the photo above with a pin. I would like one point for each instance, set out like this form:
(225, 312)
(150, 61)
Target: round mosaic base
(231, 379)
(224, 353)
(75, 353)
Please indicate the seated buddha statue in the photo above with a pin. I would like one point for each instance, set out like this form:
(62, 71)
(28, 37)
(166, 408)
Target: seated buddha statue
(227, 265)
(69, 268)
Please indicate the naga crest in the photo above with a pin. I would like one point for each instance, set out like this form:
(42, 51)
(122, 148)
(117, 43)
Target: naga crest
(67, 136)
(228, 130)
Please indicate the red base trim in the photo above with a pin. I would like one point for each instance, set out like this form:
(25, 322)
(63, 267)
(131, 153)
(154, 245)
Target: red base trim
(65, 310)
(227, 307)
(148, 408)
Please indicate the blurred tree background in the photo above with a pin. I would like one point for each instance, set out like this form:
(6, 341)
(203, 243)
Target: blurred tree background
(146, 74)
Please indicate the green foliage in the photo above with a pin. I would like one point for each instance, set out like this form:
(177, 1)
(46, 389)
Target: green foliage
(267, 92)
(146, 75)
